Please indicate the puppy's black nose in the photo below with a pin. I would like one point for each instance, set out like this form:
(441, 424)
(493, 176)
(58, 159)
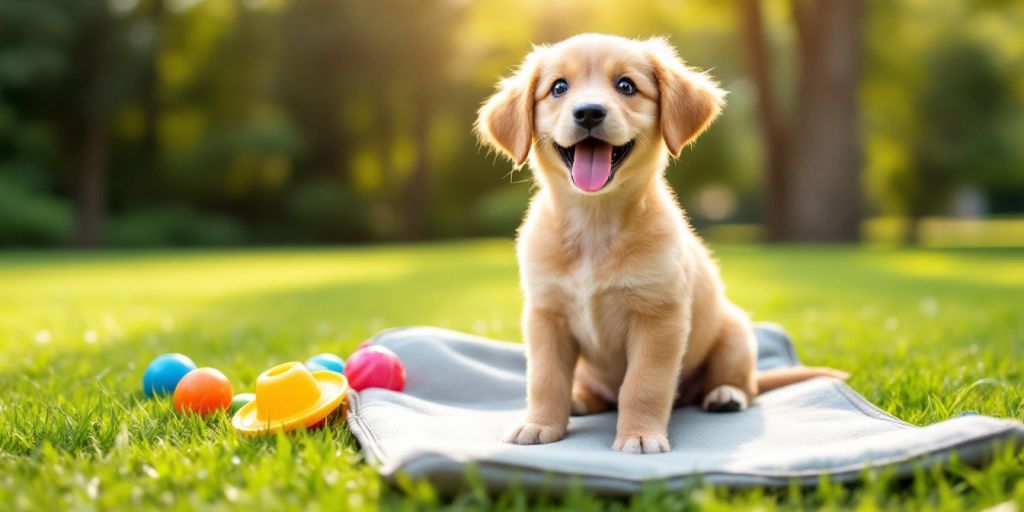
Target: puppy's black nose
(589, 115)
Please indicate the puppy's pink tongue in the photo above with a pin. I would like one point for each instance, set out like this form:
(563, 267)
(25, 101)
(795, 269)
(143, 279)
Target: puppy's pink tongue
(592, 165)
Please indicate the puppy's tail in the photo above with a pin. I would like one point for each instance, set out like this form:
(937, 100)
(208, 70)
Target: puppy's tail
(778, 377)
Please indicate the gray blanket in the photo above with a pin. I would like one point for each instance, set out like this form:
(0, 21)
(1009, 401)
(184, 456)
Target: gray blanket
(464, 392)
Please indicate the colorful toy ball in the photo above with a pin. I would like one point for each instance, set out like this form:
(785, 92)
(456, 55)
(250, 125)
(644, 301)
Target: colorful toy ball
(162, 375)
(375, 367)
(240, 400)
(325, 361)
(203, 391)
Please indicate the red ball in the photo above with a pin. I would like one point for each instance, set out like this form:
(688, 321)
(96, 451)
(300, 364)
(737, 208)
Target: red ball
(203, 391)
(375, 367)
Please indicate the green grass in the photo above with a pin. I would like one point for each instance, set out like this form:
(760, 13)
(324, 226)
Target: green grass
(927, 335)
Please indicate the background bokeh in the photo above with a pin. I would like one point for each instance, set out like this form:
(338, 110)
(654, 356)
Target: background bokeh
(224, 122)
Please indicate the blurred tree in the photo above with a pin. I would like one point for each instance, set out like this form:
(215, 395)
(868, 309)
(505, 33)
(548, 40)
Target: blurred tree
(79, 94)
(812, 168)
(31, 53)
(945, 112)
(280, 121)
(151, 83)
(962, 117)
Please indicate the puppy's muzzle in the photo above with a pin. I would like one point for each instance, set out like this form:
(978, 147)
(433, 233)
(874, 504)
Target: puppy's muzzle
(589, 115)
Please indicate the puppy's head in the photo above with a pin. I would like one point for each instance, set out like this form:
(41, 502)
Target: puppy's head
(595, 112)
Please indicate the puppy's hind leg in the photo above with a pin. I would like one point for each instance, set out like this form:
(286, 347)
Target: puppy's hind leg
(585, 400)
(731, 382)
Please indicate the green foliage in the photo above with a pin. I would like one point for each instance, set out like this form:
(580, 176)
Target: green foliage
(173, 226)
(964, 113)
(30, 218)
(245, 107)
(944, 104)
(324, 211)
(500, 212)
(927, 335)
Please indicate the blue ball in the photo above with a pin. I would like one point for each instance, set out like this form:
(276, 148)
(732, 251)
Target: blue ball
(329, 362)
(163, 374)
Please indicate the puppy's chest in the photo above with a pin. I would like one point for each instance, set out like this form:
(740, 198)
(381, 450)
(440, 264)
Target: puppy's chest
(588, 298)
(597, 301)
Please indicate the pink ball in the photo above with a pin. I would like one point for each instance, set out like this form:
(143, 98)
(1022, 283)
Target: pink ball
(375, 367)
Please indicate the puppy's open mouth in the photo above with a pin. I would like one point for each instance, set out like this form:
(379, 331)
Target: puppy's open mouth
(593, 162)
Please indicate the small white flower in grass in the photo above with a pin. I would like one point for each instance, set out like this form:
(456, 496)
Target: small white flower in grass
(376, 324)
(235, 460)
(150, 472)
(480, 327)
(90, 336)
(43, 336)
(929, 306)
(111, 327)
(230, 493)
(331, 476)
(356, 500)
(892, 323)
(323, 329)
(92, 489)
(1006, 506)
(123, 438)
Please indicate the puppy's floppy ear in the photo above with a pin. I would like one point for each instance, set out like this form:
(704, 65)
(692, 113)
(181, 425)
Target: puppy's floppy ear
(505, 121)
(688, 100)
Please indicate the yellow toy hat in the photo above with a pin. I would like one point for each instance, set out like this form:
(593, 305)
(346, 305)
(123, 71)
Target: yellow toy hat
(289, 396)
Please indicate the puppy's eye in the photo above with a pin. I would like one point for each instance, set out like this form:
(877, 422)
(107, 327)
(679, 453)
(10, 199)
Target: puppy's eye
(559, 88)
(625, 86)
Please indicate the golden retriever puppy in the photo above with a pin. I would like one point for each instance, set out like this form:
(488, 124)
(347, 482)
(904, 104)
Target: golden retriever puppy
(624, 304)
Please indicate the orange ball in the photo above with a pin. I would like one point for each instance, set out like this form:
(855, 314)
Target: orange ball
(203, 391)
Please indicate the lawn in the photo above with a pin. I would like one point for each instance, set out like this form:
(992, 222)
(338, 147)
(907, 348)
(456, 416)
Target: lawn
(927, 334)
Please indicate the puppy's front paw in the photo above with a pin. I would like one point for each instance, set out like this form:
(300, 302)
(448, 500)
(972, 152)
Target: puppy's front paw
(534, 433)
(725, 398)
(642, 443)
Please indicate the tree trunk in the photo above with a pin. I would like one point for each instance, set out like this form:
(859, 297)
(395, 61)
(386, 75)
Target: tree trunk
(773, 127)
(912, 230)
(823, 185)
(812, 164)
(151, 90)
(415, 195)
(88, 133)
(92, 184)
